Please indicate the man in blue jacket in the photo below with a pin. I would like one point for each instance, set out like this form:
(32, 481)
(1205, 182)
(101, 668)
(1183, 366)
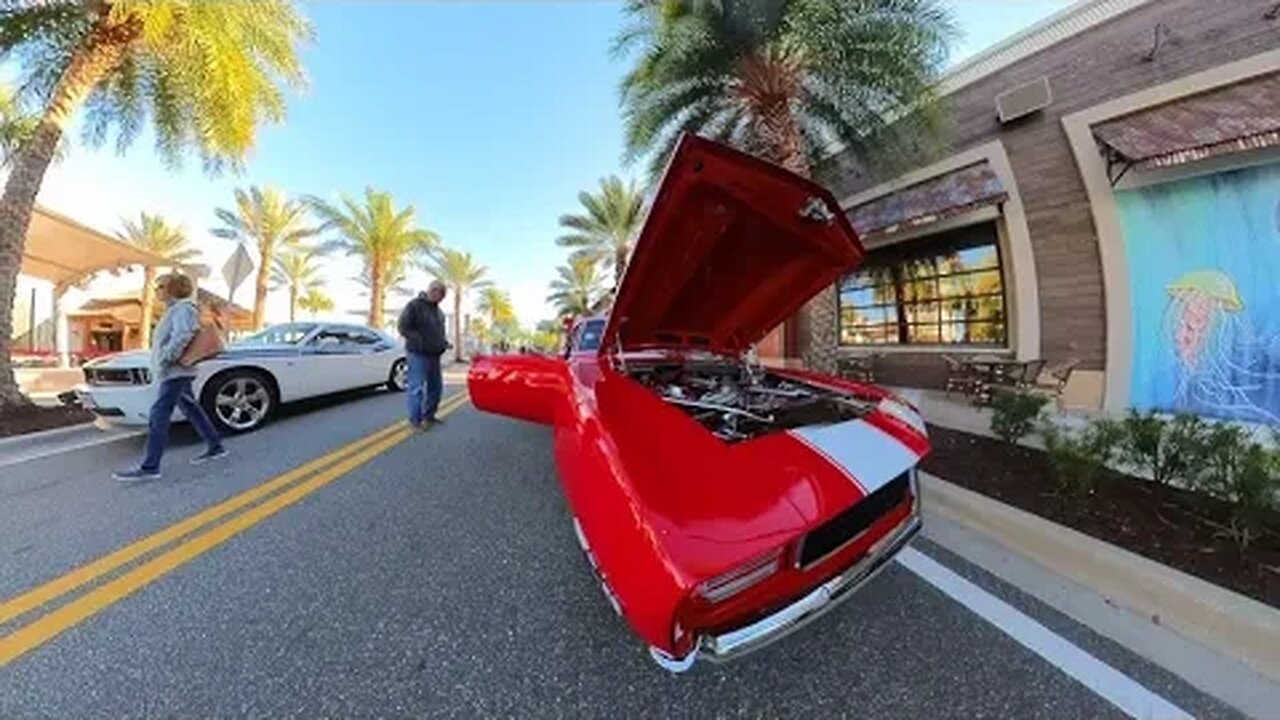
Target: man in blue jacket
(422, 326)
(173, 381)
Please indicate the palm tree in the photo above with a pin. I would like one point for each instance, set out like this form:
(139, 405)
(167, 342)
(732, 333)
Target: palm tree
(269, 221)
(315, 301)
(477, 329)
(460, 272)
(576, 288)
(206, 74)
(155, 235)
(784, 79)
(385, 239)
(16, 126)
(495, 305)
(297, 271)
(605, 232)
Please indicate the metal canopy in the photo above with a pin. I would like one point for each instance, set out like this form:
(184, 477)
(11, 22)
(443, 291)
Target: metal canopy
(957, 192)
(1235, 118)
(64, 252)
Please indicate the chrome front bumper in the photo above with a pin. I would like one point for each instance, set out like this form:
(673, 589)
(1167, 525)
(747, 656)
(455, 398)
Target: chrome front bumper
(735, 643)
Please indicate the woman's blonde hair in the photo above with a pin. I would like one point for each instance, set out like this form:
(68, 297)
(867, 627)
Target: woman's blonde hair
(177, 285)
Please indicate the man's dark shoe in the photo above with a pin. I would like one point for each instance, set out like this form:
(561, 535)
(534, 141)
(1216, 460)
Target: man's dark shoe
(435, 421)
(208, 455)
(135, 475)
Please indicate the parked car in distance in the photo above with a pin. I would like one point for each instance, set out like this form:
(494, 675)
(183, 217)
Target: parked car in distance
(721, 503)
(243, 386)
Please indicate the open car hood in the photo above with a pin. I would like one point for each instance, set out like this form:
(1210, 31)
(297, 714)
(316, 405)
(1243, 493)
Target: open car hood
(731, 247)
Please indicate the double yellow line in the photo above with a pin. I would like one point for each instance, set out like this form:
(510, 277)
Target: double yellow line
(281, 491)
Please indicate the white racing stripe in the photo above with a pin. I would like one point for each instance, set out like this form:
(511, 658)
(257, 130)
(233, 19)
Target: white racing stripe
(871, 456)
(1109, 684)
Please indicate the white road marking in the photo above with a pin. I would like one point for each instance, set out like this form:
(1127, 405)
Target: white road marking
(60, 449)
(1110, 684)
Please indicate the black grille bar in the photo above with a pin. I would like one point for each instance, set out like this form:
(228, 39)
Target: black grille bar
(831, 535)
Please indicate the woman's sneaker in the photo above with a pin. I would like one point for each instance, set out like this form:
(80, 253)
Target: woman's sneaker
(135, 475)
(208, 455)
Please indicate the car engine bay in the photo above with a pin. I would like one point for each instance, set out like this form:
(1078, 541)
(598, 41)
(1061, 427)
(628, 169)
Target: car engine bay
(740, 401)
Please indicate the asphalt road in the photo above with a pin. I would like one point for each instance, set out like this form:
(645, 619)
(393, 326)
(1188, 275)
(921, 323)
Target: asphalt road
(441, 578)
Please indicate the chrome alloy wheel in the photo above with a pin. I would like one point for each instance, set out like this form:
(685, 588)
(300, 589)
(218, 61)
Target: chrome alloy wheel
(242, 403)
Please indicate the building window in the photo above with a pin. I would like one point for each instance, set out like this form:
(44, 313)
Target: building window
(945, 290)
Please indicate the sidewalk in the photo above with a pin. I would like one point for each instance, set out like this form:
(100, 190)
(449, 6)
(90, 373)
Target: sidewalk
(957, 412)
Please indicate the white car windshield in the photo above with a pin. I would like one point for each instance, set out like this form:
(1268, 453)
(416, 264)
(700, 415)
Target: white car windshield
(290, 334)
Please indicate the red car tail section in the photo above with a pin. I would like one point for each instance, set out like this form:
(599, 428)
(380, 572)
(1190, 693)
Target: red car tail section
(528, 387)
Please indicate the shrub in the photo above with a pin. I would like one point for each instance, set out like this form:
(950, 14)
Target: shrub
(1165, 450)
(1245, 475)
(1015, 414)
(1076, 460)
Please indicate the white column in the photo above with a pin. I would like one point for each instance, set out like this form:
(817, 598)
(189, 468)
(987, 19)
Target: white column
(61, 332)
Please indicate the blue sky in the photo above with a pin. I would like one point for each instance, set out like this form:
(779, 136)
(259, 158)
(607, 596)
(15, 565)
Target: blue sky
(488, 117)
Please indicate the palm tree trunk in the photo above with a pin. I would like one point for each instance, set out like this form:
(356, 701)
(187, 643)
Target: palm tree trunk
(100, 52)
(457, 326)
(293, 302)
(619, 266)
(812, 333)
(265, 251)
(783, 141)
(375, 296)
(148, 304)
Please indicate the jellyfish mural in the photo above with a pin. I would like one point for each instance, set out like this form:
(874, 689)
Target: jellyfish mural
(1223, 369)
(1197, 302)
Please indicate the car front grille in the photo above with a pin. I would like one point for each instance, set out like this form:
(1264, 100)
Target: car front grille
(831, 535)
(117, 376)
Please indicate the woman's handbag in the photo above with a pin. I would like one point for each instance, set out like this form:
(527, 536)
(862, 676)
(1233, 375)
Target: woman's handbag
(207, 342)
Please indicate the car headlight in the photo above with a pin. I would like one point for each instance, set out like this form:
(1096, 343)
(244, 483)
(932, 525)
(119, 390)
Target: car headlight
(731, 583)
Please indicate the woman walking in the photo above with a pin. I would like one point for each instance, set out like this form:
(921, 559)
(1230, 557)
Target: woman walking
(176, 329)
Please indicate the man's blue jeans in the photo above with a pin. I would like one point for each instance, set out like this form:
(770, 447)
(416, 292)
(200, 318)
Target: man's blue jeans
(175, 391)
(425, 386)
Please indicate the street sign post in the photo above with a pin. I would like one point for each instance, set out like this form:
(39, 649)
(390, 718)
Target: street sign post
(235, 270)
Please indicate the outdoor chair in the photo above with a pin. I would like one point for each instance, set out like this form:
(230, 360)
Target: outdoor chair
(1029, 377)
(961, 376)
(860, 368)
(1059, 375)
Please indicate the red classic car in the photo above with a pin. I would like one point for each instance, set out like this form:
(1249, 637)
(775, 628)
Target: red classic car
(721, 503)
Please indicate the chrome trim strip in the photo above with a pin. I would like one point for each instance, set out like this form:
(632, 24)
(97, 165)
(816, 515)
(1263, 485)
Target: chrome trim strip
(735, 643)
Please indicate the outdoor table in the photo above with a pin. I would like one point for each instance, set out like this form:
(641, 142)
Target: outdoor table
(994, 370)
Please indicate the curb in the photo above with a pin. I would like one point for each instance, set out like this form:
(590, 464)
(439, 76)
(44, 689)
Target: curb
(42, 435)
(1228, 623)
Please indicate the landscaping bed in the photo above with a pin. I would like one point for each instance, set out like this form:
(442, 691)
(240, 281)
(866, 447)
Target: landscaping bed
(35, 418)
(1173, 526)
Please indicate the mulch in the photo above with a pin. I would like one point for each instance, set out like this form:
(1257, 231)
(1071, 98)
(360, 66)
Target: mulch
(1173, 526)
(34, 419)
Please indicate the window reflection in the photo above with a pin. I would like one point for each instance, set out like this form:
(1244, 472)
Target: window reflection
(947, 290)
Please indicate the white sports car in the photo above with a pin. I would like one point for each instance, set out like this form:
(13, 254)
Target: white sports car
(243, 386)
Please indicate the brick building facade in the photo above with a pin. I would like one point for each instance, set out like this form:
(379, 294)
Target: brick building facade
(1028, 237)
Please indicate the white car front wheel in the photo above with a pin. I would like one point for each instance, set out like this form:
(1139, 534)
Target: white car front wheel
(240, 400)
(399, 376)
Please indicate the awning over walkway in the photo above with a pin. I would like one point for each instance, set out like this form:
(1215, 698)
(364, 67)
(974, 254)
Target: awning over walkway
(955, 193)
(63, 251)
(1235, 118)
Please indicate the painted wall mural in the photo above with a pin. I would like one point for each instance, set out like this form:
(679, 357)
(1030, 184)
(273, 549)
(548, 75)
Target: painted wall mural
(1204, 272)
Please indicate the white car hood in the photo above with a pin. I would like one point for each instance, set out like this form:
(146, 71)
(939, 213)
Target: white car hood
(128, 359)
